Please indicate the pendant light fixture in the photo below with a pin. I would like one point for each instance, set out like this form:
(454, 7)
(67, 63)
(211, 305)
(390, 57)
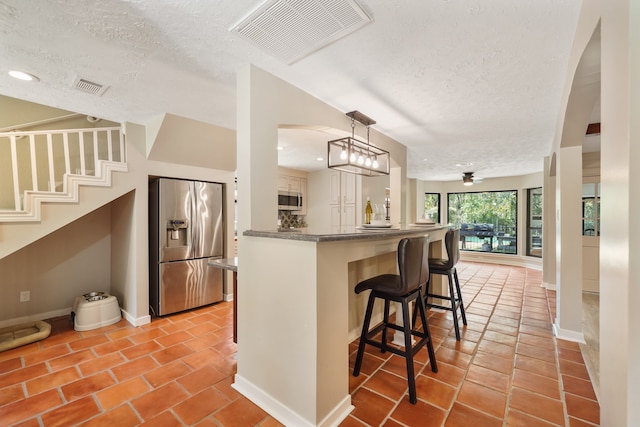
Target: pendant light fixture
(354, 156)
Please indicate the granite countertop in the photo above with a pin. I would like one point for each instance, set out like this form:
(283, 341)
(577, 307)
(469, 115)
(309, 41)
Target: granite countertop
(224, 263)
(353, 233)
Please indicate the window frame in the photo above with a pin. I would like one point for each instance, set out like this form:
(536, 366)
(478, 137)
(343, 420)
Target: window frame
(531, 250)
(596, 198)
(439, 205)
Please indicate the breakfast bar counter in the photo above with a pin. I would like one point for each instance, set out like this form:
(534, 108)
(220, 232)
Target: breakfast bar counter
(350, 233)
(297, 313)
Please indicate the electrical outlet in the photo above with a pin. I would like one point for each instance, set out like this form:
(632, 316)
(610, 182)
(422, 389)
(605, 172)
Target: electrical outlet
(25, 296)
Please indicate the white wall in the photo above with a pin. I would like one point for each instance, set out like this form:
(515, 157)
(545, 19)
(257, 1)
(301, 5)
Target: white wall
(620, 237)
(568, 238)
(69, 262)
(318, 197)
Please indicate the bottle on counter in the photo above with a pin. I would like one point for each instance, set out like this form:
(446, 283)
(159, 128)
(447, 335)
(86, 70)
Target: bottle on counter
(368, 212)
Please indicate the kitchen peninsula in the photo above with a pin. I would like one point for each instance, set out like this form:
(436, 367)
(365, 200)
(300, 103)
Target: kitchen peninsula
(298, 312)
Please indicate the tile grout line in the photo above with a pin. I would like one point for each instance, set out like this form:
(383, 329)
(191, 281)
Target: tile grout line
(466, 371)
(557, 363)
(524, 295)
(493, 310)
(513, 360)
(560, 375)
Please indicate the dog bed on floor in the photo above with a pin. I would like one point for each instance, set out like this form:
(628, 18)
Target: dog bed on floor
(24, 333)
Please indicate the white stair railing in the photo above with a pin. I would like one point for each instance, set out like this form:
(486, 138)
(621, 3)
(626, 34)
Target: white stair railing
(47, 162)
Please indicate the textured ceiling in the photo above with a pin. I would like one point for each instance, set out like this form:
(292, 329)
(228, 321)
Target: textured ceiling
(456, 81)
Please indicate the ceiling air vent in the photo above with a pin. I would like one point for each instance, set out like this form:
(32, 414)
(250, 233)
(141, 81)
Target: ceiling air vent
(89, 87)
(293, 29)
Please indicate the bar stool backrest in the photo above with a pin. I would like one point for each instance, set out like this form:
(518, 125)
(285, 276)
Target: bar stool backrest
(413, 263)
(452, 243)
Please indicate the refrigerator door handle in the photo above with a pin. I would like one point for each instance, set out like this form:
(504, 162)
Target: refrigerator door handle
(194, 234)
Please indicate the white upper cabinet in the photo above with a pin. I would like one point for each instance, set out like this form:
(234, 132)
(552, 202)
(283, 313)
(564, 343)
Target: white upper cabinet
(289, 183)
(294, 184)
(342, 200)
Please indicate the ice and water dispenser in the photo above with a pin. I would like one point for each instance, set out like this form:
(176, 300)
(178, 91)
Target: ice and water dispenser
(177, 232)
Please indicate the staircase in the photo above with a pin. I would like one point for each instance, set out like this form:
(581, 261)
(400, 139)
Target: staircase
(50, 166)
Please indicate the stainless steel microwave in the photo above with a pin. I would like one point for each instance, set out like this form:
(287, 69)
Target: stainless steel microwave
(289, 200)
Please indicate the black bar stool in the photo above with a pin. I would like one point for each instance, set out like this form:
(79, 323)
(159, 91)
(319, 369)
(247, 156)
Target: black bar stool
(447, 267)
(413, 265)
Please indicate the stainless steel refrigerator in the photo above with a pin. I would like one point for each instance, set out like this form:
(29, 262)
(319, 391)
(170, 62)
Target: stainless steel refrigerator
(185, 230)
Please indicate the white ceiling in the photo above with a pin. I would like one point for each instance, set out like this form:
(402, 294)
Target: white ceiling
(456, 81)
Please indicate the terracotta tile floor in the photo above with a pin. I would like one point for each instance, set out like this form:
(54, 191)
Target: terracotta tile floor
(508, 370)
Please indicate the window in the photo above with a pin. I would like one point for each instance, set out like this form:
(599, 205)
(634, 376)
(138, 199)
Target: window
(534, 222)
(432, 206)
(591, 209)
(487, 221)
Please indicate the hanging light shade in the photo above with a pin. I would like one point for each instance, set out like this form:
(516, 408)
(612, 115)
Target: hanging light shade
(467, 178)
(351, 155)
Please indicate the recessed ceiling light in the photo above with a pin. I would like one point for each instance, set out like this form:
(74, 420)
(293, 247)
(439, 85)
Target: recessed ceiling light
(319, 159)
(464, 164)
(21, 75)
(280, 148)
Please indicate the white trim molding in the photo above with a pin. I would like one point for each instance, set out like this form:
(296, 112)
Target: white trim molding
(567, 335)
(136, 321)
(284, 414)
(34, 317)
(549, 286)
(503, 259)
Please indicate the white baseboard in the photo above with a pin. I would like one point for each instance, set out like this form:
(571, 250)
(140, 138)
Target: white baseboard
(568, 335)
(136, 321)
(34, 317)
(139, 321)
(284, 414)
(549, 286)
(339, 413)
(504, 259)
(227, 297)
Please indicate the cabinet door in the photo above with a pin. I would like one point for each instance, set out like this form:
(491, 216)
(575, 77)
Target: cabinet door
(349, 215)
(283, 183)
(348, 187)
(305, 200)
(289, 183)
(336, 218)
(335, 192)
(348, 200)
(294, 184)
(342, 200)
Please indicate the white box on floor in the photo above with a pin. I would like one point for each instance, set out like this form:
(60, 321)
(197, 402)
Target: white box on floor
(95, 310)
